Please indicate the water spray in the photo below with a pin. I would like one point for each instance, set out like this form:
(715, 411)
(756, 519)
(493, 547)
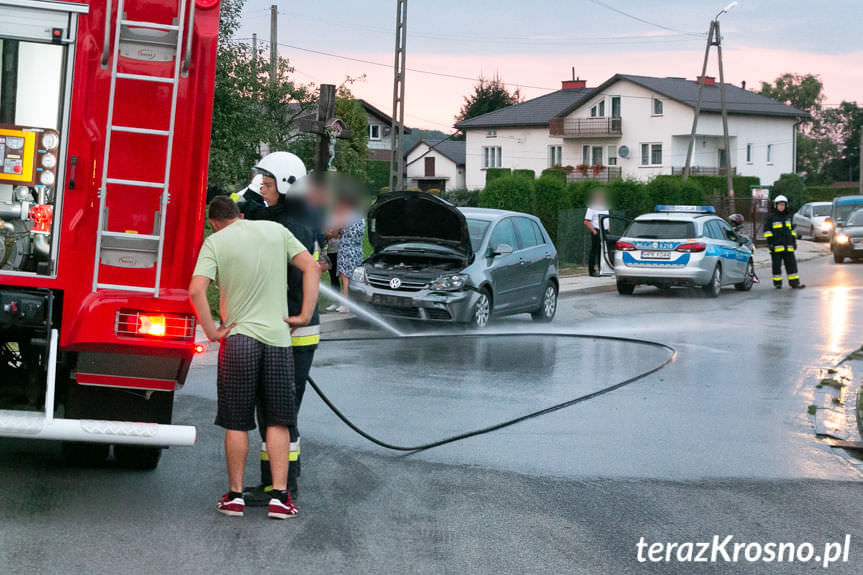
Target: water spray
(361, 311)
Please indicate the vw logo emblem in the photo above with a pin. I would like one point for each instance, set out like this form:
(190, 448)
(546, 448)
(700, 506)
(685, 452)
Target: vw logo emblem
(395, 283)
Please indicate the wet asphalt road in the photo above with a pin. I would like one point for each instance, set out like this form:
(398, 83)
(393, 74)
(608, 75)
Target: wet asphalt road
(717, 443)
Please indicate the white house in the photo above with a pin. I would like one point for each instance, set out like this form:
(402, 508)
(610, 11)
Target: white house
(634, 127)
(436, 165)
(380, 125)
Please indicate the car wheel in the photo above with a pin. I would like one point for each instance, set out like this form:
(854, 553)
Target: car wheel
(714, 286)
(747, 282)
(481, 310)
(548, 307)
(625, 288)
(138, 457)
(838, 259)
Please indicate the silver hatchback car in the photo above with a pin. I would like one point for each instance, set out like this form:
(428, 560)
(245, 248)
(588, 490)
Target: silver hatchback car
(682, 246)
(433, 261)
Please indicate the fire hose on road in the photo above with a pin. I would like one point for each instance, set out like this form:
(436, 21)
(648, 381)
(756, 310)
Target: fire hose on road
(672, 355)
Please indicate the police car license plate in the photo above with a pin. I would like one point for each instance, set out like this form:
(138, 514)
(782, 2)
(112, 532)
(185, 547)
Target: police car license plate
(392, 300)
(655, 255)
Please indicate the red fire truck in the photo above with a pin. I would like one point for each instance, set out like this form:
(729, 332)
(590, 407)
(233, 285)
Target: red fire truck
(105, 110)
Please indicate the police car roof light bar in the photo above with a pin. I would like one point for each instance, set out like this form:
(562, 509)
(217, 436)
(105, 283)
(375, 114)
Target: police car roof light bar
(686, 209)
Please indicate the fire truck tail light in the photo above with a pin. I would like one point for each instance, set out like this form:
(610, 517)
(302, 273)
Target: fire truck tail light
(164, 325)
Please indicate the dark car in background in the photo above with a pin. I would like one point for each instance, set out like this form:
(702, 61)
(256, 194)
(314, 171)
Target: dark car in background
(841, 243)
(848, 241)
(436, 262)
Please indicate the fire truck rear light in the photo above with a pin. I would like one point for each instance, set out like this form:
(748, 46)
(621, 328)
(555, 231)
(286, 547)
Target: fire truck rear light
(200, 348)
(165, 325)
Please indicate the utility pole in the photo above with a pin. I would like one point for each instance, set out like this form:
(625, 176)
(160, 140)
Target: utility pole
(255, 54)
(326, 110)
(860, 174)
(274, 43)
(397, 161)
(714, 38)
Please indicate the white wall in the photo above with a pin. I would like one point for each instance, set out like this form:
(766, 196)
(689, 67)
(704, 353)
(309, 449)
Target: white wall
(444, 168)
(385, 141)
(521, 149)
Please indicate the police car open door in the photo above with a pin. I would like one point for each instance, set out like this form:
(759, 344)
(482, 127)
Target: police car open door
(611, 229)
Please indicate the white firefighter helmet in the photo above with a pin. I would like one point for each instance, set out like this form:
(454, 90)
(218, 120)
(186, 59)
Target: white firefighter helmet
(284, 167)
(780, 199)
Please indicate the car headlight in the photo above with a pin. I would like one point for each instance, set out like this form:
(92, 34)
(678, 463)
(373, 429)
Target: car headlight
(841, 239)
(359, 274)
(450, 282)
(825, 226)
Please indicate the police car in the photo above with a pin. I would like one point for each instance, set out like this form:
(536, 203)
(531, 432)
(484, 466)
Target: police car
(682, 246)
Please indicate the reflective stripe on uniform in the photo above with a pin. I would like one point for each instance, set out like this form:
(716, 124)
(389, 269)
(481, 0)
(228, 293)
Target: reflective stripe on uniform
(235, 197)
(777, 225)
(790, 249)
(768, 234)
(788, 225)
(794, 277)
(306, 335)
(264, 455)
(295, 450)
(779, 249)
(777, 278)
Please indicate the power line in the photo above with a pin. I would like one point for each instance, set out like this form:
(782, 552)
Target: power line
(643, 21)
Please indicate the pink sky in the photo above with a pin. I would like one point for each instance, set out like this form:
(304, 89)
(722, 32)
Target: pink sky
(431, 102)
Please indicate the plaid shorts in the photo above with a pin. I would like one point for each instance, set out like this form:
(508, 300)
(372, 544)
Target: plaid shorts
(250, 370)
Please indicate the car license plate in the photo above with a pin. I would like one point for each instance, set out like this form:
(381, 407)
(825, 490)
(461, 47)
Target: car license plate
(655, 255)
(392, 300)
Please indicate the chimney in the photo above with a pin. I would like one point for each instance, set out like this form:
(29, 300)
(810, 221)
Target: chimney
(708, 80)
(574, 84)
(743, 84)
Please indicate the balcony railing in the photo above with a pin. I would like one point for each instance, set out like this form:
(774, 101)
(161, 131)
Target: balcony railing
(605, 174)
(702, 171)
(585, 127)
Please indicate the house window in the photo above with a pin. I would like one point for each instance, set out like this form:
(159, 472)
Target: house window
(615, 106)
(585, 155)
(593, 112)
(555, 156)
(602, 108)
(491, 134)
(598, 110)
(596, 156)
(374, 132)
(657, 107)
(769, 153)
(491, 156)
(612, 155)
(748, 153)
(651, 154)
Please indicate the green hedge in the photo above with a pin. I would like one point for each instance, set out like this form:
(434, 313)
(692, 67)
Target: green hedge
(524, 174)
(558, 173)
(462, 198)
(827, 193)
(492, 174)
(792, 187)
(716, 185)
(377, 175)
(509, 193)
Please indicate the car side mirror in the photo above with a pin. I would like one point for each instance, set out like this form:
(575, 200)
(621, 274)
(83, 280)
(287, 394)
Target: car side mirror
(502, 250)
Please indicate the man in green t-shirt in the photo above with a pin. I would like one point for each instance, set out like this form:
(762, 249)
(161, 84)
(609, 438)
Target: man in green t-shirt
(249, 261)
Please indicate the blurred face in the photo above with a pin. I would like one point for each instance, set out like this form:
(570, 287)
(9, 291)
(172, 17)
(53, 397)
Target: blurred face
(780, 206)
(269, 191)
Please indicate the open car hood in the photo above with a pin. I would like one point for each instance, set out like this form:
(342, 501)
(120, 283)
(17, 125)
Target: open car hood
(417, 217)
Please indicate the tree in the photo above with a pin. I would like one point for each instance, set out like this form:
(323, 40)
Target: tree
(804, 92)
(249, 106)
(488, 95)
(842, 126)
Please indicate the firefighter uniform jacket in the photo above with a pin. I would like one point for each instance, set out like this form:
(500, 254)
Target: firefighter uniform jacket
(779, 232)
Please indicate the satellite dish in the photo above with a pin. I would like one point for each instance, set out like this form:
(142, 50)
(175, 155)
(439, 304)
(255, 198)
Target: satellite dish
(623, 151)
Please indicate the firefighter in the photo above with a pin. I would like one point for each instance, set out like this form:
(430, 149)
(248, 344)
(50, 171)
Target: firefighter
(780, 236)
(278, 194)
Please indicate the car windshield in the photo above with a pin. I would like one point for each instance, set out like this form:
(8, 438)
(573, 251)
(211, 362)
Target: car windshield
(660, 230)
(821, 211)
(842, 211)
(477, 229)
(856, 219)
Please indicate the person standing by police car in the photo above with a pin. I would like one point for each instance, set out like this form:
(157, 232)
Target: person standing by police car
(780, 236)
(592, 221)
(281, 197)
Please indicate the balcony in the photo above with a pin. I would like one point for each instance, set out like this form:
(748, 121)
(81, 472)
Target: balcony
(604, 174)
(702, 171)
(585, 127)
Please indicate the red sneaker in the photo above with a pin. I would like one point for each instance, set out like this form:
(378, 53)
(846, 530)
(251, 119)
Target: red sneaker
(232, 507)
(279, 510)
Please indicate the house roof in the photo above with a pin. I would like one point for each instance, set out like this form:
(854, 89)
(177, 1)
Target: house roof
(534, 112)
(380, 115)
(452, 149)
(738, 100)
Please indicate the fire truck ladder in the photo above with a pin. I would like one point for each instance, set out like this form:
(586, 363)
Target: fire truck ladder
(112, 245)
